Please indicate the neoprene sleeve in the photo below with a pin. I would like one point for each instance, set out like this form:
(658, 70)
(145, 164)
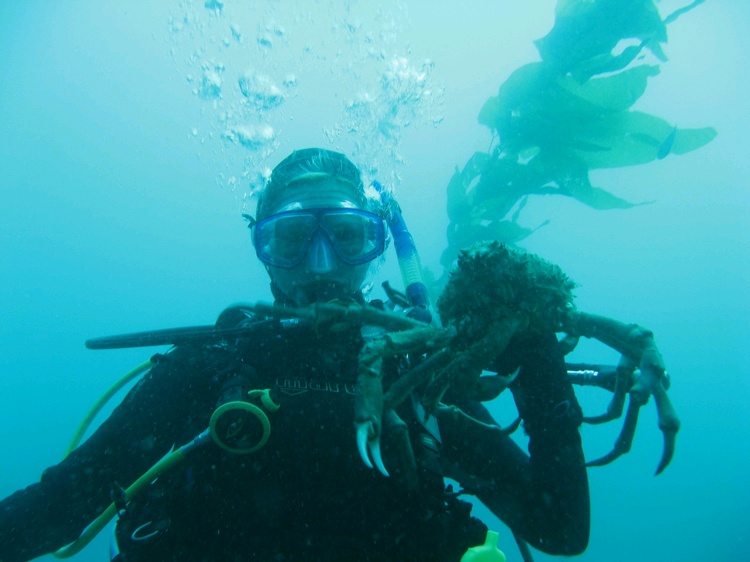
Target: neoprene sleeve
(52, 513)
(543, 496)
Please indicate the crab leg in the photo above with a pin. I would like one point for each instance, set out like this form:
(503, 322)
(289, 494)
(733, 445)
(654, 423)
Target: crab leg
(368, 399)
(400, 389)
(368, 403)
(637, 345)
(639, 394)
(669, 424)
(404, 452)
(468, 364)
(625, 439)
(654, 381)
(628, 339)
(623, 382)
(330, 311)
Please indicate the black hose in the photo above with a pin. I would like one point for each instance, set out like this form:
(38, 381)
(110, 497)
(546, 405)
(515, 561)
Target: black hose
(176, 336)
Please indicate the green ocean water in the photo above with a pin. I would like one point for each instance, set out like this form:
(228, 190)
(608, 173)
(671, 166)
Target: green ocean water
(128, 151)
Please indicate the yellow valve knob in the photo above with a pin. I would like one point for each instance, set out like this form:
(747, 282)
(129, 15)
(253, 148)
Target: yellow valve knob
(488, 552)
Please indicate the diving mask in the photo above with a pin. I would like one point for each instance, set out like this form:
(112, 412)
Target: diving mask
(284, 239)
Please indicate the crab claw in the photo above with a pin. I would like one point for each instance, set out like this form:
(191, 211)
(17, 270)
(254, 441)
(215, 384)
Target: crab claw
(670, 438)
(362, 432)
(368, 445)
(669, 424)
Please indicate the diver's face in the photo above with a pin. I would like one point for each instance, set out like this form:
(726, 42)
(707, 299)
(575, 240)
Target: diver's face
(320, 275)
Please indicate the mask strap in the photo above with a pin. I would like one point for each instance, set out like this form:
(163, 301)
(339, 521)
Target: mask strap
(251, 222)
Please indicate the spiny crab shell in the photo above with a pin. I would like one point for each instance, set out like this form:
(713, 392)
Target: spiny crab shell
(493, 281)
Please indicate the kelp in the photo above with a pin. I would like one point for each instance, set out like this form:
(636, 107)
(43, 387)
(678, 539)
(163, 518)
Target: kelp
(555, 120)
(586, 33)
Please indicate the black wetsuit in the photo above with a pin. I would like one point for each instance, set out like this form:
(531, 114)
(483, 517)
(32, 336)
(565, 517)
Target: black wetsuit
(306, 495)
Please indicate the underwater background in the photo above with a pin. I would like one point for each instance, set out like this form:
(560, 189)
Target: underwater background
(132, 136)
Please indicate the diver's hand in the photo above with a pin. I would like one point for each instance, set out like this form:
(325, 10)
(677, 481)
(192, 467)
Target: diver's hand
(542, 391)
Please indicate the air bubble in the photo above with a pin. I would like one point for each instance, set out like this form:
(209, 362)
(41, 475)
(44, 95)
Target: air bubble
(215, 6)
(256, 180)
(251, 137)
(210, 84)
(265, 41)
(260, 91)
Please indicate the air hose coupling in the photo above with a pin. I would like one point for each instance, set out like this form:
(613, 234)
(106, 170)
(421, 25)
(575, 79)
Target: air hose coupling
(242, 427)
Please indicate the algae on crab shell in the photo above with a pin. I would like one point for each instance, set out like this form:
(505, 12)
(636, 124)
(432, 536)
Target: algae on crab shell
(493, 280)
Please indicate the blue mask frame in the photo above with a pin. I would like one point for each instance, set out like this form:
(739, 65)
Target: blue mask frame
(284, 239)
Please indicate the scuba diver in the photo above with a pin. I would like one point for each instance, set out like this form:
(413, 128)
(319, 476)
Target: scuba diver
(283, 481)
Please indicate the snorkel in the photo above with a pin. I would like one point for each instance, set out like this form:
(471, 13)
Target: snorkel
(408, 257)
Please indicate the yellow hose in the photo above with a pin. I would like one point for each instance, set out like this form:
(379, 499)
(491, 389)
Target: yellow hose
(137, 487)
(114, 389)
(160, 467)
